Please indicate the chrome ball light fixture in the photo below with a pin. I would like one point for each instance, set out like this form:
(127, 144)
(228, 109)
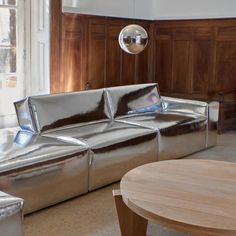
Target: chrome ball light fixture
(133, 39)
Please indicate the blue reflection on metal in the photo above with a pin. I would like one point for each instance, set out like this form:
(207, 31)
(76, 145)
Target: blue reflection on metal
(23, 138)
(152, 108)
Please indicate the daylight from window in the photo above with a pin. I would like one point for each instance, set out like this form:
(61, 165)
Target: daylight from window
(11, 88)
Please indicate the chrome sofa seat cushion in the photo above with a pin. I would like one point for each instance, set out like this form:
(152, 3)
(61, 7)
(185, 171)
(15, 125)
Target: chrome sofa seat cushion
(178, 134)
(47, 112)
(43, 171)
(131, 100)
(10, 215)
(162, 120)
(115, 149)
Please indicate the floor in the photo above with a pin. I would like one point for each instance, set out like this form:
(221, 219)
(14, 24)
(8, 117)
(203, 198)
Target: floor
(94, 214)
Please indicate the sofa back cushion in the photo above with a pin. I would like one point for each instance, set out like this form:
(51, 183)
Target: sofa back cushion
(133, 100)
(66, 109)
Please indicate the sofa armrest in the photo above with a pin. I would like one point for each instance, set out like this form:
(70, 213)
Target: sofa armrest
(185, 106)
(208, 109)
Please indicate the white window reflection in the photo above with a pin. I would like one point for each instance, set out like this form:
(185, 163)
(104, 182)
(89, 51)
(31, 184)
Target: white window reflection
(7, 26)
(8, 2)
(11, 58)
(8, 50)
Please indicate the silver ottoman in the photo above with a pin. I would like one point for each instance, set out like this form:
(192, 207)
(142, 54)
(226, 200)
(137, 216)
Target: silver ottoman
(10, 215)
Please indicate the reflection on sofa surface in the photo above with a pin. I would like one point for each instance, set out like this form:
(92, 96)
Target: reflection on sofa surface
(72, 143)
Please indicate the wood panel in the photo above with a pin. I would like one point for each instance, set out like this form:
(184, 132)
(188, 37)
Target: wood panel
(142, 70)
(163, 58)
(143, 65)
(73, 68)
(181, 70)
(55, 44)
(128, 67)
(114, 56)
(202, 62)
(227, 117)
(97, 53)
(118, 71)
(225, 65)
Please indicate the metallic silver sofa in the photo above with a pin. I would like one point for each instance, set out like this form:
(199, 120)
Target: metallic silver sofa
(73, 143)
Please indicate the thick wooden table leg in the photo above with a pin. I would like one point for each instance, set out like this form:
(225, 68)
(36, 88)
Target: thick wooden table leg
(131, 224)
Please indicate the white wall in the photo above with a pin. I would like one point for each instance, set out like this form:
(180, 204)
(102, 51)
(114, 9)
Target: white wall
(119, 8)
(40, 47)
(154, 9)
(144, 9)
(193, 9)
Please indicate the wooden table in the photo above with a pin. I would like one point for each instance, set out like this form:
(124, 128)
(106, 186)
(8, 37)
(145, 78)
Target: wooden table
(194, 196)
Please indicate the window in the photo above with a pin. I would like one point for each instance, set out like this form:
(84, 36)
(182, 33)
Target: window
(12, 86)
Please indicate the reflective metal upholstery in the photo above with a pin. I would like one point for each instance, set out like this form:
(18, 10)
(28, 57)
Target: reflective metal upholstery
(75, 142)
(38, 169)
(182, 125)
(10, 215)
(44, 113)
(178, 135)
(115, 149)
(127, 101)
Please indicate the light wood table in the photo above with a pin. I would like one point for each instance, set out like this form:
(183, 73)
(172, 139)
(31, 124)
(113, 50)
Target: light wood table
(194, 196)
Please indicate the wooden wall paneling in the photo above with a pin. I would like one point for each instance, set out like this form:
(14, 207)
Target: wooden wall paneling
(202, 61)
(227, 116)
(128, 69)
(182, 56)
(225, 65)
(114, 56)
(73, 71)
(151, 47)
(201, 67)
(97, 53)
(127, 62)
(55, 43)
(226, 58)
(163, 58)
(181, 50)
(143, 60)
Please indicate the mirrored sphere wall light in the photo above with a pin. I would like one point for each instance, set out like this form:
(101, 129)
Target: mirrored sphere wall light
(133, 39)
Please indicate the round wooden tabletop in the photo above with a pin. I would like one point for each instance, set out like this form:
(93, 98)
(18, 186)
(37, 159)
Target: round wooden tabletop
(195, 196)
